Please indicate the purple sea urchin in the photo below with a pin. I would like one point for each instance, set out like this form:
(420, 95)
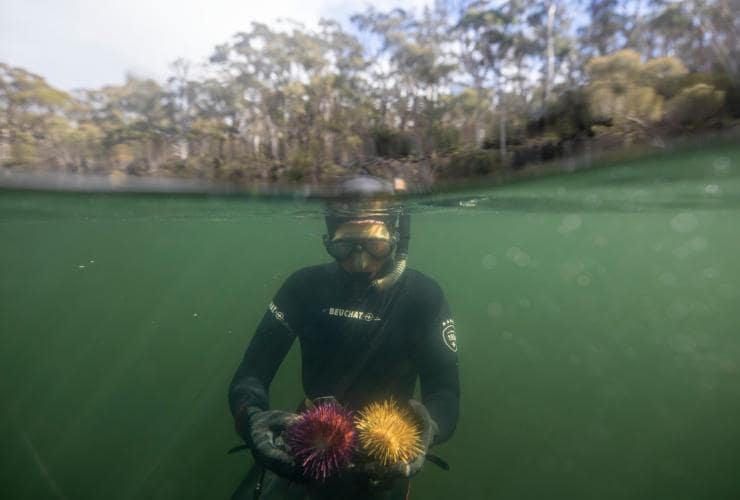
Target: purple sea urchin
(322, 440)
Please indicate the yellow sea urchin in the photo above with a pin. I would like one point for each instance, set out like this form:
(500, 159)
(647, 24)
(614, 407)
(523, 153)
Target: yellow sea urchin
(387, 433)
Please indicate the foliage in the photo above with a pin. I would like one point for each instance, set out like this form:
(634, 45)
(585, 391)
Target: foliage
(618, 91)
(632, 95)
(391, 143)
(446, 139)
(695, 105)
(665, 75)
(469, 163)
(478, 85)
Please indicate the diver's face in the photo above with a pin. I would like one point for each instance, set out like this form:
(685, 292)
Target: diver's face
(368, 244)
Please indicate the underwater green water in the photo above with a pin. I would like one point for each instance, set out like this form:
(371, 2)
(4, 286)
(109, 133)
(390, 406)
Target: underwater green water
(598, 319)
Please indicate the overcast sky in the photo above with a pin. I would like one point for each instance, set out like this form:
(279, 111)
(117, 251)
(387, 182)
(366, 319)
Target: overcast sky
(90, 43)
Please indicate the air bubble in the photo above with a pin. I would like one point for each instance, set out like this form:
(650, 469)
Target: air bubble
(489, 261)
(681, 252)
(668, 279)
(698, 244)
(495, 310)
(722, 164)
(710, 273)
(600, 241)
(678, 310)
(569, 224)
(684, 222)
(518, 256)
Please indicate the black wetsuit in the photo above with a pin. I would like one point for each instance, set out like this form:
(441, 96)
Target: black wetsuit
(357, 344)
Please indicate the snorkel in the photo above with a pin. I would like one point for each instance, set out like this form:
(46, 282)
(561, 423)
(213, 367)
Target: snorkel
(401, 257)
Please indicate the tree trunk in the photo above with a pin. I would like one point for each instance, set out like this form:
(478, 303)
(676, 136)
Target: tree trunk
(502, 126)
(274, 141)
(4, 145)
(550, 56)
(479, 131)
(502, 134)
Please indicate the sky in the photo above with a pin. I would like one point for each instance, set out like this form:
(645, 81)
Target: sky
(91, 43)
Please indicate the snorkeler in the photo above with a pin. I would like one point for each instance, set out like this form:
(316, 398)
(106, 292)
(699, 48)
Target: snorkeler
(368, 326)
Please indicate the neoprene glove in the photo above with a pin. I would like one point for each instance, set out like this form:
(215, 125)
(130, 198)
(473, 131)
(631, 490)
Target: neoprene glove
(265, 430)
(429, 430)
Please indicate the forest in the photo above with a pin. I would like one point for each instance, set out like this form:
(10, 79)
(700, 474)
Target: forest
(459, 89)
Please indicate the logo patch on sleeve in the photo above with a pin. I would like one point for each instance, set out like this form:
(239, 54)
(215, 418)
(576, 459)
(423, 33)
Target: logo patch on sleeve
(448, 334)
(276, 312)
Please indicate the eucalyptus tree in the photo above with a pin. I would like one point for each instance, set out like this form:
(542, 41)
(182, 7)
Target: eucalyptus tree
(413, 66)
(670, 29)
(251, 74)
(144, 123)
(346, 107)
(705, 34)
(629, 94)
(33, 117)
(474, 71)
(604, 31)
(550, 22)
(182, 92)
(394, 86)
(719, 26)
(293, 94)
(498, 31)
(436, 70)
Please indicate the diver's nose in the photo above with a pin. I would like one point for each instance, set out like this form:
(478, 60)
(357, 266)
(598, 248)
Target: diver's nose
(360, 259)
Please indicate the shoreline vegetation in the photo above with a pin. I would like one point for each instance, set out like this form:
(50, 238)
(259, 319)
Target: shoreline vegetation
(116, 181)
(443, 96)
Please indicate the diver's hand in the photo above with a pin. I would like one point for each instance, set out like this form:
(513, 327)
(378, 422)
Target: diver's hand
(428, 430)
(268, 448)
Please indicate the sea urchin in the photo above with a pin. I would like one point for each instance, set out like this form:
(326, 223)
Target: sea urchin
(322, 440)
(387, 433)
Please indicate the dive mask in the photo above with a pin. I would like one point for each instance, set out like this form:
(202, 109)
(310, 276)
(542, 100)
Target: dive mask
(343, 248)
(368, 235)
